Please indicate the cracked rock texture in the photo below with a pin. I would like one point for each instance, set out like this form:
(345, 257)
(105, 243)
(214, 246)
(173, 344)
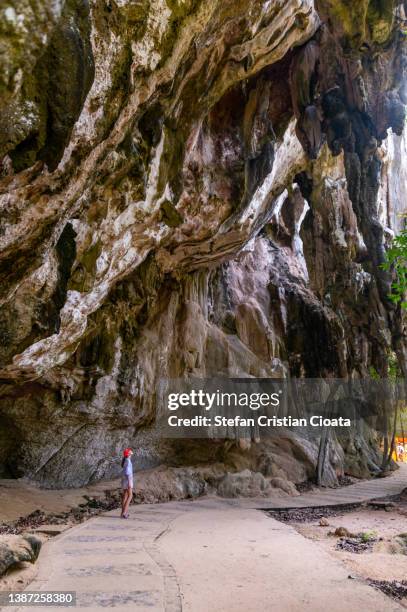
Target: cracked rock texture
(192, 188)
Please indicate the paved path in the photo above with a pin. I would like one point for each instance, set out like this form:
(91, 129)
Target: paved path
(358, 492)
(209, 554)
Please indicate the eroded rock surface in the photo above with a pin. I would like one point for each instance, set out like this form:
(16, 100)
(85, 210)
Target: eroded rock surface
(188, 189)
(15, 549)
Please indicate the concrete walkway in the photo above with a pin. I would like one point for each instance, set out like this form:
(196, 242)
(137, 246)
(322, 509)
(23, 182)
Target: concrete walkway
(209, 554)
(358, 492)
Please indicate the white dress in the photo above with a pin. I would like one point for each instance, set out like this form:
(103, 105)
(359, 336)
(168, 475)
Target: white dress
(127, 474)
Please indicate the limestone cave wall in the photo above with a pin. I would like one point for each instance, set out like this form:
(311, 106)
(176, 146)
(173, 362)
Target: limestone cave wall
(192, 188)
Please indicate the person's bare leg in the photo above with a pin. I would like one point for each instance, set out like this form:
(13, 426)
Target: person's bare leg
(128, 500)
(124, 498)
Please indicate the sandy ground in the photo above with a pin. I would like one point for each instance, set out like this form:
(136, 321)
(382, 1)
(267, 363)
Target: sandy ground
(21, 497)
(388, 558)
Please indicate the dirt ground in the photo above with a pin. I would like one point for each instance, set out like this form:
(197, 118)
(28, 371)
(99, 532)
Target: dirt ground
(21, 497)
(384, 532)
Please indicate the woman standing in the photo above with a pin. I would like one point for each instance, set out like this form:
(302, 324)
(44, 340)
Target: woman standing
(127, 482)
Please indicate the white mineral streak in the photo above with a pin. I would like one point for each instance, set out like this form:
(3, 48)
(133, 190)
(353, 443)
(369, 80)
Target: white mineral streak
(146, 53)
(105, 53)
(10, 15)
(154, 175)
(392, 198)
(126, 238)
(37, 279)
(237, 230)
(34, 215)
(289, 160)
(111, 264)
(85, 236)
(256, 22)
(108, 384)
(56, 7)
(279, 31)
(56, 349)
(298, 246)
(260, 51)
(37, 214)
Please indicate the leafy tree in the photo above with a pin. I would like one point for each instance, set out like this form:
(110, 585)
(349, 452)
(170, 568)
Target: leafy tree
(396, 259)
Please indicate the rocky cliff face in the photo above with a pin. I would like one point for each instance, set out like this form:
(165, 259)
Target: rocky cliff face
(191, 188)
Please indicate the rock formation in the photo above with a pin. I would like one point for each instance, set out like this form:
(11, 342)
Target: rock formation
(191, 188)
(16, 549)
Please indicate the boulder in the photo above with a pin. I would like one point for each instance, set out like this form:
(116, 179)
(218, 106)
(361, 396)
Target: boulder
(244, 484)
(15, 548)
(285, 485)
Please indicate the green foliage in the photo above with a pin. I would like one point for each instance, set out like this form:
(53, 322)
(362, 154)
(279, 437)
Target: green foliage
(396, 259)
(374, 373)
(393, 370)
(393, 366)
(367, 536)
